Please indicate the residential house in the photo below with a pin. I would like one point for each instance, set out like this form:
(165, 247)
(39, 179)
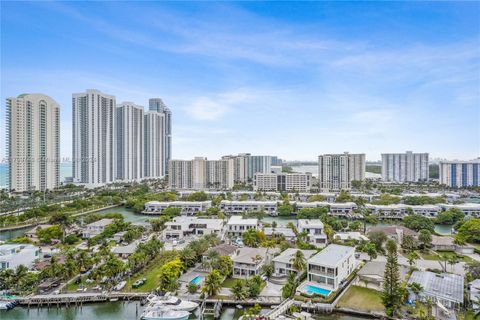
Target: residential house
(352, 235)
(371, 275)
(124, 252)
(395, 233)
(223, 250)
(283, 264)
(314, 229)
(184, 226)
(474, 294)
(444, 288)
(95, 228)
(237, 225)
(249, 261)
(446, 243)
(13, 255)
(330, 267)
(287, 233)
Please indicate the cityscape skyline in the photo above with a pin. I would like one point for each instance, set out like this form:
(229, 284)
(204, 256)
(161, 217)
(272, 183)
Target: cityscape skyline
(357, 90)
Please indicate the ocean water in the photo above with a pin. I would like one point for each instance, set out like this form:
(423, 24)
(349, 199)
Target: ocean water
(65, 171)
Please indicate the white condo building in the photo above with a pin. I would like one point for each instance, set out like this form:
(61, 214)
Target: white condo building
(290, 182)
(337, 171)
(154, 145)
(130, 146)
(94, 138)
(201, 174)
(157, 105)
(33, 146)
(457, 174)
(240, 167)
(405, 167)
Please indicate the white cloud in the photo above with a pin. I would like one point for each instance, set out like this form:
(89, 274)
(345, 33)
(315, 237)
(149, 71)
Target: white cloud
(205, 108)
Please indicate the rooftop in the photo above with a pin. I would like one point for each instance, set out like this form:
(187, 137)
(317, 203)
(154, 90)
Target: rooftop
(310, 223)
(332, 255)
(287, 232)
(223, 249)
(100, 223)
(393, 230)
(128, 249)
(287, 255)
(442, 241)
(377, 269)
(247, 254)
(445, 285)
(241, 220)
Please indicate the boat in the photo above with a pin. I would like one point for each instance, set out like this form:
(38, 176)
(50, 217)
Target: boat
(7, 304)
(120, 286)
(164, 313)
(171, 302)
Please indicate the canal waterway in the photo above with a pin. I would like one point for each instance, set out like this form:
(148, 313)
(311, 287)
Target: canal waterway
(119, 311)
(130, 216)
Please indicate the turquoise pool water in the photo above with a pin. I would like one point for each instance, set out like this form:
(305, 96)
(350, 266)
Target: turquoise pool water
(197, 280)
(317, 290)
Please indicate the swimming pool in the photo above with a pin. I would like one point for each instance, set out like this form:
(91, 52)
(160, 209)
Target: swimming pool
(197, 280)
(316, 290)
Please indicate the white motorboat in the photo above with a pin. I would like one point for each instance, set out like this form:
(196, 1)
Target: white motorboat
(164, 313)
(172, 302)
(120, 286)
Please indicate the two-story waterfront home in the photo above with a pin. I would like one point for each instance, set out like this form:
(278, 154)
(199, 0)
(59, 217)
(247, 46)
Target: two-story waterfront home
(328, 269)
(284, 232)
(237, 225)
(248, 261)
(314, 229)
(95, 228)
(183, 226)
(283, 263)
(188, 208)
(13, 255)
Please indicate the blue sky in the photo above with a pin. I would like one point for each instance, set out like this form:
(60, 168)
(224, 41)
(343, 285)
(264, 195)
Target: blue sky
(289, 79)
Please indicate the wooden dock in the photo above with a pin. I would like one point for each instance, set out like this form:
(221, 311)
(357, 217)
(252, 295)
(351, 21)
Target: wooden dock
(76, 299)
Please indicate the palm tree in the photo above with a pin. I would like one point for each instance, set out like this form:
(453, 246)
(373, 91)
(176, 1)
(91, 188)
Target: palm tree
(416, 288)
(268, 269)
(412, 257)
(299, 263)
(452, 261)
(213, 283)
(371, 251)
(239, 290)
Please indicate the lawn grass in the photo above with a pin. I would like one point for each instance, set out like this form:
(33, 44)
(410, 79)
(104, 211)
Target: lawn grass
(228, 283)
(72, 286)
(429, 256)
(437, 256)
(151, 273)
(362, 299)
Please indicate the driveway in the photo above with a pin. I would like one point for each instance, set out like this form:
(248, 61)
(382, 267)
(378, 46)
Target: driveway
(272, 290)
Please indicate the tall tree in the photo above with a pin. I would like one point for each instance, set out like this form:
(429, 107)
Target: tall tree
(213, 283)
(299, 263)
(391, 296)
